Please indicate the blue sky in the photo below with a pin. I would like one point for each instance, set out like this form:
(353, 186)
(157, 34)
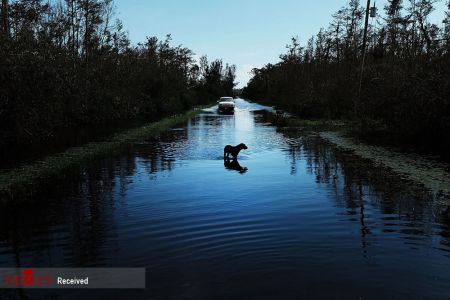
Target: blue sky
(247, 33)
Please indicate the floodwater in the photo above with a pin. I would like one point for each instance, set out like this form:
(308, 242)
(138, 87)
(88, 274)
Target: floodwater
(295, 218)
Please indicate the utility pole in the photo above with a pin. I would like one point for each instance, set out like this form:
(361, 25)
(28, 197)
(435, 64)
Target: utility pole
(5, 25)
(366, 25)
(413, 44)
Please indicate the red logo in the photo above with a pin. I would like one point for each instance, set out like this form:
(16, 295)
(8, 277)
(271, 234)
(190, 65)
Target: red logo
(28, 279)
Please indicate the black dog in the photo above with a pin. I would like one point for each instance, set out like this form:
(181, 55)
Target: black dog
(234, 151)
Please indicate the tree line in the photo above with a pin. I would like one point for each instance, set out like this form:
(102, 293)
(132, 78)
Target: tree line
(69, 63)
(403, 93)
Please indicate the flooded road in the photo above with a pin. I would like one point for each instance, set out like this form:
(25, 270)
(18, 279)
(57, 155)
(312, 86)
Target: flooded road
(304, 220)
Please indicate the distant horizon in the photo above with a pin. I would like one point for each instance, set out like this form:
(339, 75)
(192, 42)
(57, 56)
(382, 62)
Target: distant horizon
(237, 32)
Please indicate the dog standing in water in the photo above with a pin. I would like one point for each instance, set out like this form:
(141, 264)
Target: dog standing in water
(234, 151)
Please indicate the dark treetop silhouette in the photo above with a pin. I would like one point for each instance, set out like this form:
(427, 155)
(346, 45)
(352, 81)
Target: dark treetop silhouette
(405, 90)
(66, 64)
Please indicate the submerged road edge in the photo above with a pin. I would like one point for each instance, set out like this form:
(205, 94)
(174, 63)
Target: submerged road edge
(24, 179)
(414, 167)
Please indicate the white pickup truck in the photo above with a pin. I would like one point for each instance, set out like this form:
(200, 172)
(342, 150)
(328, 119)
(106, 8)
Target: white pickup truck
(226, 105)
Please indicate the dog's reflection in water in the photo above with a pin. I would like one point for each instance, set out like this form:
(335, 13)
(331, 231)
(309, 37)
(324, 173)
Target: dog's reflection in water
(233, 164)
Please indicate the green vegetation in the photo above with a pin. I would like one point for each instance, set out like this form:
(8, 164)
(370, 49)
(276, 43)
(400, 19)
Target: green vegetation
(67, 63)
(425, 171)
(22, 180)
(286, 120)
(431, 174)
(404, 95)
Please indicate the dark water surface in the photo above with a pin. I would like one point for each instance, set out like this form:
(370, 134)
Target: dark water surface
(305, 220)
